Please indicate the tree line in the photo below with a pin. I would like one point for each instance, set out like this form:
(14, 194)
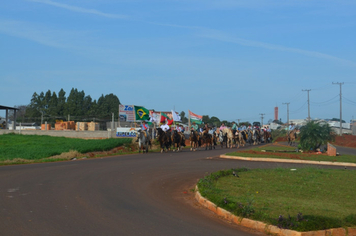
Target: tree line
(52, 107)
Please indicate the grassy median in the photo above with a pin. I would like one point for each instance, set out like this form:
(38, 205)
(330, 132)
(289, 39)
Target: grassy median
(300, 199)
(16, 148)
(286, 152)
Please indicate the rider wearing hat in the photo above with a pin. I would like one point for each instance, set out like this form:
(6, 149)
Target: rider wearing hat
(194, 127)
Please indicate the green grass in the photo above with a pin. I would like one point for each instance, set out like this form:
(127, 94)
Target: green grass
(275, 148)
(324, 197)
(256, 152)
(36, 147)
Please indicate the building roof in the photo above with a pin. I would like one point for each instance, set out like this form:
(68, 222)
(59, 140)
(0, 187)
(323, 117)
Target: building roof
(9, 108)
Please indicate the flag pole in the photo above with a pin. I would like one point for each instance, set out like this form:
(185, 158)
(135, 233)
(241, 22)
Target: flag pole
(189, 120)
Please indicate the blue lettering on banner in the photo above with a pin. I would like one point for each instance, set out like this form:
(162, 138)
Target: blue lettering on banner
(126, 134)
(128, 108)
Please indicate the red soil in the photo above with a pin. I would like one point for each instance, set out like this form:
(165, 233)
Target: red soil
(345, 141)
(284, 155)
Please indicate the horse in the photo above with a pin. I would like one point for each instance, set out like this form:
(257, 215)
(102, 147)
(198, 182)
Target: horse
(267, 136)
(256, 137)
(239, 139)
(207, 139)
(176, 140)
(194, 140)
(143, 141)
(221, 137)
(249, 135)
(291, 137)
(229, 137)
(164, 139)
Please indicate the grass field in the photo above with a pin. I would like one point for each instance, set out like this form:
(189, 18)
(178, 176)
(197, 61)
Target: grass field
(270, 151)
(315, 199)
(37, 147)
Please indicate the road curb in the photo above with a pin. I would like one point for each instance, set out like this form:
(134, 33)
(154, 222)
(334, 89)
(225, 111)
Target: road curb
(289, 161)
(266, 228)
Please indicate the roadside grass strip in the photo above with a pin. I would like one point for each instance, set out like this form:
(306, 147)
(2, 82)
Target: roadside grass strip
(16, 148)
(306, 199)
(288, 153)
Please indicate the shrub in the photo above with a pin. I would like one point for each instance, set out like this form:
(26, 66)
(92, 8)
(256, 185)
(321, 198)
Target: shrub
(315, 134)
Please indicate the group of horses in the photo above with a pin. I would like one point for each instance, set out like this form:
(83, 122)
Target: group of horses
(226, 138)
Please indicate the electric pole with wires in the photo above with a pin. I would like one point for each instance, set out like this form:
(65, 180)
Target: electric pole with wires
(340, 106)
(308, 90)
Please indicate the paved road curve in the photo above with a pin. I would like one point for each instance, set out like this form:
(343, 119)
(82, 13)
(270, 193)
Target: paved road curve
(125, 195)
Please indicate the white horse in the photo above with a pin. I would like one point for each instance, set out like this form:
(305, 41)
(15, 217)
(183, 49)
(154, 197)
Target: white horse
(143, 141)
(229, 136)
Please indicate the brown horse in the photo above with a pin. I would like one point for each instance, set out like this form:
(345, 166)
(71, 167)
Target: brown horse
(164, 139)
(267, 136)
(207, 139)
(194, 140)
(291, 137)
(176, 140)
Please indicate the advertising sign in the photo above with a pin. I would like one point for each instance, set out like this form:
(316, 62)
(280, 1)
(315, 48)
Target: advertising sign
(126, 132)
(127, 113)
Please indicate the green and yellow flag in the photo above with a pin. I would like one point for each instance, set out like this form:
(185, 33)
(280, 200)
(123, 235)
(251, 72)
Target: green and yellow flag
(142, 113)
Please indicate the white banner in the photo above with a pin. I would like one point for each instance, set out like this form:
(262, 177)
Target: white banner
(127, 132)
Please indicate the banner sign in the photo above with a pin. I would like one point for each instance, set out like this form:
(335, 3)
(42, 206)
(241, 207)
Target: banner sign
(127, 113)
(127, 132)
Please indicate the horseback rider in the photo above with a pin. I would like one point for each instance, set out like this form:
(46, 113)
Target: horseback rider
(222, 126)
(180, 130)
(234, 128)
(145, 128)
(165, 127)
(206, 128)
(195, 127)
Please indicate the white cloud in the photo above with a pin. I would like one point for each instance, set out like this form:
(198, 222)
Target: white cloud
(57, 38)
(217, 35)
(79, 9)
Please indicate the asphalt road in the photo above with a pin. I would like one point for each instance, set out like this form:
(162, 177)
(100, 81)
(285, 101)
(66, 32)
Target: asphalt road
(141, 194)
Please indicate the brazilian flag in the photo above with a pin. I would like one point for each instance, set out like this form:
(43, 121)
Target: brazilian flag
(142, 113)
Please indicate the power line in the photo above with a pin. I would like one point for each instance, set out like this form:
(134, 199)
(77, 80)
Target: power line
(326, 101)
(299, 109)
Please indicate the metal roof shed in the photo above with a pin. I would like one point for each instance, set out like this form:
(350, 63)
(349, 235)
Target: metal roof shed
(7, 115)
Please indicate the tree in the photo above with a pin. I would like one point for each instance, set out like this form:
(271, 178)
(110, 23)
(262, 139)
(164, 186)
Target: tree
(183, 118)
(315, 134)
(215, 121)
(338, 120)
(61, 102)
(278, 122)
(53, 105)
(245, 123)
(205, 119)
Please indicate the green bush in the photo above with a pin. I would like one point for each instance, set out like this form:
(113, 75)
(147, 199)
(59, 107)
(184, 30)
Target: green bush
(315, 134)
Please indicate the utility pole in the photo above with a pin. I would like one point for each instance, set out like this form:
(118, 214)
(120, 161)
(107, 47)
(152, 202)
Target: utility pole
(340, 106)
(308, 90)
(262, 119)
(287, 103)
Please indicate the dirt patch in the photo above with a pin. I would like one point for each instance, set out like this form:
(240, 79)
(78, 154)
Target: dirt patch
(345, 141)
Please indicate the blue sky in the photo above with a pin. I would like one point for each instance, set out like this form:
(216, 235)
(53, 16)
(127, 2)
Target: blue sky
(229, 58)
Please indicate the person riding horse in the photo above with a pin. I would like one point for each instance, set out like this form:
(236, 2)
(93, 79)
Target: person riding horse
(145, 128)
